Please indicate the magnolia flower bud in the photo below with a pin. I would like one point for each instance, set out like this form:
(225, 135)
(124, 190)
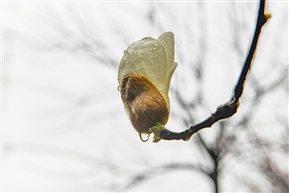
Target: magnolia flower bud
(144, 77)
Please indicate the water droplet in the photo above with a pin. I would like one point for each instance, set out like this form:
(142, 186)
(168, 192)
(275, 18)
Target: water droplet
(147, 135)
(125, 52)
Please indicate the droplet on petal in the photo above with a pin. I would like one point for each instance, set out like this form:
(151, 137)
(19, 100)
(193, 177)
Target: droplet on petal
(144, 135)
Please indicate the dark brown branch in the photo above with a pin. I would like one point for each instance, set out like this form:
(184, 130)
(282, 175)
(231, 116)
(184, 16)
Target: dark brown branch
(262, 18)
(230, 108)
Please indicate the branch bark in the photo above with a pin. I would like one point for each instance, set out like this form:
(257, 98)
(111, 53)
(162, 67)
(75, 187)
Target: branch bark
(230, 108)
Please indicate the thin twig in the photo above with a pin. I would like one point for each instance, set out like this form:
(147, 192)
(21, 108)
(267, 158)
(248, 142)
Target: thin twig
(155, 171)
(230, 108)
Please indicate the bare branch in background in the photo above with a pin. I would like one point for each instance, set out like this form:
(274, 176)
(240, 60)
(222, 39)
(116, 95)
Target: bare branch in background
(155, 171)
(271, 172)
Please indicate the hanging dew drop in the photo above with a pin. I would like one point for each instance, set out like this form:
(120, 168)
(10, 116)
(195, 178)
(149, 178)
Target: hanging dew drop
(144, 135)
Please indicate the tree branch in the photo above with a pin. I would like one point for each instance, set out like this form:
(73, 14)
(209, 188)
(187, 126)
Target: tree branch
(228, 109)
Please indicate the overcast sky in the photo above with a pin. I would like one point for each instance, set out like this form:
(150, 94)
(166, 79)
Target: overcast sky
(64, 125)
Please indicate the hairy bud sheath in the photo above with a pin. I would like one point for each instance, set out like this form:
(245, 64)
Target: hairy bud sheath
(144, 77)
(145, 105)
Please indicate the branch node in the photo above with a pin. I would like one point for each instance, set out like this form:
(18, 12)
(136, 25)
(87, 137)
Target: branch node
(156, 130)
(226, 110)
(268, 16)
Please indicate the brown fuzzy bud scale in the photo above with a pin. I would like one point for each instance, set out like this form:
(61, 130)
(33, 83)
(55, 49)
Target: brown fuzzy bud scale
(144, 103)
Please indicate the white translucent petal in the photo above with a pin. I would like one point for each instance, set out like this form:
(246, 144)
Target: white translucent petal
(148, 58)
(153, 59)
(167, 40)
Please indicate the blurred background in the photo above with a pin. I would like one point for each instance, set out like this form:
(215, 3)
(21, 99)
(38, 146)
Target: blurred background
(64, 127)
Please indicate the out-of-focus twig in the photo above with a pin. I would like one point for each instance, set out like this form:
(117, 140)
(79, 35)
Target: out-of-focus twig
(230, 108)
(153, 172)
